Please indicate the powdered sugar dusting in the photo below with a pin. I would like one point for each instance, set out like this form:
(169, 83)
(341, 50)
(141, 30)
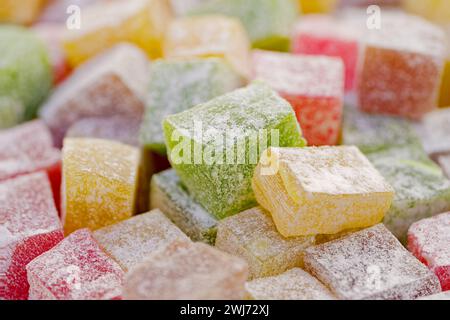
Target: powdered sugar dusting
(370, 264)
(130, 241)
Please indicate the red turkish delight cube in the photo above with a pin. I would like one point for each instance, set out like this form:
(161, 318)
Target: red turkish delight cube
(324, 35)
(314, 85)
(75, 269)
(429, 241)
(29, 226)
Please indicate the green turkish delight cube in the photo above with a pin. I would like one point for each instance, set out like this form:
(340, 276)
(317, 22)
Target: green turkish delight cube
(372, 133)
(170, 196)
(215, 146)
(25, 75)
(421, 191)
(268, 22)
(179, 85)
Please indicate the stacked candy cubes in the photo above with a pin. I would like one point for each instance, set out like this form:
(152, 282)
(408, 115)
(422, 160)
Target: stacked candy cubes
(169, 150)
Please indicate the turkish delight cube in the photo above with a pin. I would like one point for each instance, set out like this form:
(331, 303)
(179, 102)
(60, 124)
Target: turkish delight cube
(105, 24)
(421, 191)
(124, 129)
(29, 226)
(374, 133)
(370, 264)
(22, 12)
(129, 242)
(25, 75)
(402, 67)
(209, 36)
(99, 183)
(252, 235)
(324, 35)
(218, 174)
(268, 22)
(313, 85)
(183, 7)
(169, 195)
(184, 271)
(114, 83)
(179, 85)
(429, 241)
(320, 190)
(75, 269)
(294, 284)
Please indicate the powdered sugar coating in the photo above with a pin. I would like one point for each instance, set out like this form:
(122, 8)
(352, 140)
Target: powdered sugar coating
(370, 264)
(294, 284)
(252, 235)
(440, 296)
(435, 132)
(326, 35)
(183, 7)
(26, 149)
(402, 66)
(322, 190)
(421, 191)
(75, 269)
(187, 271)
(209, 36)
(122, 129)
(99, 182)
(179, 85)
(311, 76)
(113, 83)
(29, 225)
(130, 241)
(429, 241)
(222, 188)
(170, 196)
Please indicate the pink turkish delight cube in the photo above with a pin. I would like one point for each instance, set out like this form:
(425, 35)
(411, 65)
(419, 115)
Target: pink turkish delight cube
(324, 35)
(29, 226)
(429, 241)
(314, 85)
(75, 269)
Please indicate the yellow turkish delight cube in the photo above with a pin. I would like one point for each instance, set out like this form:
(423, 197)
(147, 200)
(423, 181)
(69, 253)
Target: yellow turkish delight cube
(324, 190)
(444, 99)
(317, 6)
(99, 183)
(142, 22)
(23, 11)
(210, 36)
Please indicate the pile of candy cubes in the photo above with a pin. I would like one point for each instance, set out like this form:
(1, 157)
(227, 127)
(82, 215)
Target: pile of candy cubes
(224, 149)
